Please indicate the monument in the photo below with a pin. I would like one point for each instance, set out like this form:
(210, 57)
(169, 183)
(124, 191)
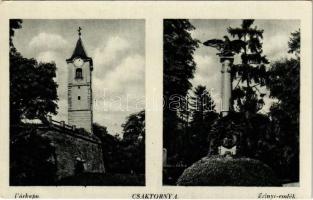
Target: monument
(226, 55)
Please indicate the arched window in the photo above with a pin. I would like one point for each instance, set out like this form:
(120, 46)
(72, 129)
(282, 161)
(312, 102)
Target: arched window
(79, 73)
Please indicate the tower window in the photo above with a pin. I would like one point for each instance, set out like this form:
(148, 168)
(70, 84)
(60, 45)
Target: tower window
(79, 73)
(78, 97)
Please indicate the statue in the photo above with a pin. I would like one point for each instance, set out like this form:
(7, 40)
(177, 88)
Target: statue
(226, 47)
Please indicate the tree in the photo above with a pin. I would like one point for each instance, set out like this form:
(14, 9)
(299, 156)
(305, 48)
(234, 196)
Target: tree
(33, 159)
(203, 116)
(14, 24)
(33, 91)
(294, 43)
(202, 105)
(127, 154)
(179, 67)
(134, 142)
(284, 82)
(251, 70)
(109, 146)
(248, 75)
(134, 127)
(284, 85)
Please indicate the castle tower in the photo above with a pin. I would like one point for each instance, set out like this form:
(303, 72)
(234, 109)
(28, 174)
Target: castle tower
(80, 68)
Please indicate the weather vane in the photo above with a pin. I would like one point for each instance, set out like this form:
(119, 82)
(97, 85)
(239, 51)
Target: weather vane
(79, 31)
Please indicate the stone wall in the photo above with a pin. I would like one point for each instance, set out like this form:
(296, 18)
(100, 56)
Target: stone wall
(72, 146)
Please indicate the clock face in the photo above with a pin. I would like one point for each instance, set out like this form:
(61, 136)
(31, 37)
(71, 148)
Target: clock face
(78, 62)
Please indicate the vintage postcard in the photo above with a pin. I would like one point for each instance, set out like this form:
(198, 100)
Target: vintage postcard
(156, 100)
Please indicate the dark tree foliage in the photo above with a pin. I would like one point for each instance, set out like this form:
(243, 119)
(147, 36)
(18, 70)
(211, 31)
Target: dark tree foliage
(203, 114)
(179, 67)
(14, 24)
(202, 105)
(126, 155)
(251, 72)
(109, 145)
(33, 94)
(32, 158)
(284, 85)
(134, 142)
(33, 91)
(294, 43)
(134, 127)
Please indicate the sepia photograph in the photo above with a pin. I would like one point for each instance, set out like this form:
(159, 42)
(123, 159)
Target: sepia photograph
(77, 102)
(231, 90)
(156, 100)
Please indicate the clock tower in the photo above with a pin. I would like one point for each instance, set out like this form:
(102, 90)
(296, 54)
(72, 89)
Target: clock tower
(80, 68)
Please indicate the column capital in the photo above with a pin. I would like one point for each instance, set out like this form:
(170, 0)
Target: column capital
(226, 58)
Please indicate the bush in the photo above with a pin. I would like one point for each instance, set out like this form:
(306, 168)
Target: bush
(221, 171)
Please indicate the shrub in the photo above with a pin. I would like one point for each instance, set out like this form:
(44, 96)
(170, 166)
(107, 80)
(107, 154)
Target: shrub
(221, 171)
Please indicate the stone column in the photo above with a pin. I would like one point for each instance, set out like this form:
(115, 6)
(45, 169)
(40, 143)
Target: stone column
(226, 84)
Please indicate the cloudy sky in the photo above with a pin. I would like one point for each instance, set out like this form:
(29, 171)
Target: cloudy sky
(118, 51)
(275, 46)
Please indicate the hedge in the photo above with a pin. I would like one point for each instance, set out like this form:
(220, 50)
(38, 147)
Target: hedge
(222, 171)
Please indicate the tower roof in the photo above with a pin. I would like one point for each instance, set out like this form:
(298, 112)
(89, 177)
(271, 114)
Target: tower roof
(80, 52)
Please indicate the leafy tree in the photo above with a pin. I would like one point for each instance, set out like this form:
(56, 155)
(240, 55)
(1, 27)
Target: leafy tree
(134, 127)
(134, 142)
(127, 154)
(179, 67)
(294, 43)
(251, 70)
(284, 85)
(33, 159)
(33, 92)
(203, 116)
(284, 82)
(108, 143)
(14, 24)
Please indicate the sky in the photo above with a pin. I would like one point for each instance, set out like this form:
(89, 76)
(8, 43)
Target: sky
(117, 48)
(275, 46)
